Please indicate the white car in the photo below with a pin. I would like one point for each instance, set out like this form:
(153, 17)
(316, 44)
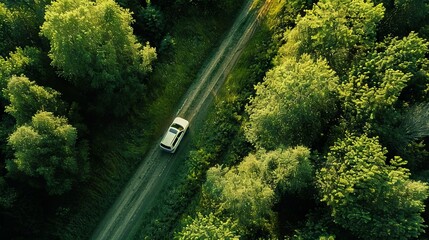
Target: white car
(174, 135)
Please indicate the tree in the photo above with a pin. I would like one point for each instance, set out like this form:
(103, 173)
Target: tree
(365, 103)
(243, 194)
(403, 16)
(150, 22)
(293, 105)
(404, 135)
(370, 195)
(20, 22)
(17, 63)
(93, 44)
(249, 191)
(334, 30)
(6, 19)
(47, 152)
(318, 225)
(27, 98)
(286, 170)
(390, 76)
(209, 227)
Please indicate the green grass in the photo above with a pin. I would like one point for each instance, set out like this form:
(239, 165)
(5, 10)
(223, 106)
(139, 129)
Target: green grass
(194, 39)
(119, 147)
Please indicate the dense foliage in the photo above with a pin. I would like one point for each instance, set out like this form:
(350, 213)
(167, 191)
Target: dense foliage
(247, 193)
(370, 195)
(294, 104)
(334, 30)
(391, 75)
(27, 98)
(93, 45)
(208, 227)
(47, 152)
(349, 82)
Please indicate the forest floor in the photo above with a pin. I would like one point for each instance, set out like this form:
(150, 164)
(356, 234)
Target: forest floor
(142, 191)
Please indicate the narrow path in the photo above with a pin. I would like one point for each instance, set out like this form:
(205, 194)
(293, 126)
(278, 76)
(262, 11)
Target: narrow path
(142, 189)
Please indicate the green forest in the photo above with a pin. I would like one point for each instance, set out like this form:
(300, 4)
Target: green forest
(321, 128)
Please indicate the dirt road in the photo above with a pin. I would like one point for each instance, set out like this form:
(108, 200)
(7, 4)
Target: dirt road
(142, 189)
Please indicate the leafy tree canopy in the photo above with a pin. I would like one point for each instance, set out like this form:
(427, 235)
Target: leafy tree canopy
(5, 28)
(395, 69)
(16, 63)
(404, 133)
(293, 105)
(27, 98)
(249, 191)
(46, 151)
(93, 44)
(209, 227)
(151, 22)
(334, 30)
(403, 16)
(285, 170)
(20, 22)
(242, 193)
(92, 41)
(371, 195)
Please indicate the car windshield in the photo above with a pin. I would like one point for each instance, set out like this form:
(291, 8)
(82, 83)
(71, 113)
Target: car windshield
(172, 130)
(177, 126)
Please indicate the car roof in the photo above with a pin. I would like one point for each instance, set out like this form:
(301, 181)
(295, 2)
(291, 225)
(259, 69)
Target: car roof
(169, 137)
